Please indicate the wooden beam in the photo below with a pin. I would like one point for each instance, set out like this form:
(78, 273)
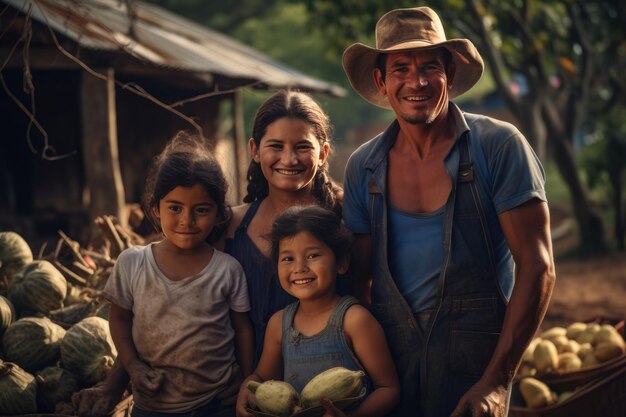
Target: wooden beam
(105, 190)
(240, 148)
(38, 59)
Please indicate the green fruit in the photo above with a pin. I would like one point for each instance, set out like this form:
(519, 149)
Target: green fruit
(87, 350)
(32, 342)
(274, 397)
(54, 385)
(14, 254)
(18, 390)
(335, 384)
(7, 314)
(39, 287)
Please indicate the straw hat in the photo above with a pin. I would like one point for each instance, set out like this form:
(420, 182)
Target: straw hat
(399, 30)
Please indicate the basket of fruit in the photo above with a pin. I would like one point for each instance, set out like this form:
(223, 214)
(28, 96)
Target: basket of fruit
(575, 371)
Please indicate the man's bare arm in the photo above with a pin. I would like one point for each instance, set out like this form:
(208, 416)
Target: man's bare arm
(527, 231)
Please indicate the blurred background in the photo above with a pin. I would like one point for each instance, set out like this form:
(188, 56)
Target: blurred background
(92, 89)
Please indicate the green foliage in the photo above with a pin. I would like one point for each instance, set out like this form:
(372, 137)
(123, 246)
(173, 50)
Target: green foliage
(220, 15)
(556, 189)
(604, 158)
(286, 31)
(284, 35)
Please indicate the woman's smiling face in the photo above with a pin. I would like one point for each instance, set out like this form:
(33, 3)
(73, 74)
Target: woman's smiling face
(289, 154)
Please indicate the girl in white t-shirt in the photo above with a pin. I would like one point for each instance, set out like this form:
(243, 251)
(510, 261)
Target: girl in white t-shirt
(179, 306)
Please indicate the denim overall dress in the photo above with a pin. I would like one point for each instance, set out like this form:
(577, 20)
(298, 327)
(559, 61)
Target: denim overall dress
(439, 361)
(306, 356)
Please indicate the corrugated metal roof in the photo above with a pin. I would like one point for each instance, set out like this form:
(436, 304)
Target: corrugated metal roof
(165, 39)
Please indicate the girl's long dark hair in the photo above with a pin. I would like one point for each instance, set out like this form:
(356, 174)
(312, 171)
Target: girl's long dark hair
(185, 162)
(297, 105)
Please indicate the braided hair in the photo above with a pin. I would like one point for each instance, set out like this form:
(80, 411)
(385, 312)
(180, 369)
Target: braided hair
(296, 105)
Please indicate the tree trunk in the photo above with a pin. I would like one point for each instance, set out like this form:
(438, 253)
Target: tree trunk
(589, 223)
(100, 151)
(590, 229)
(533, 129)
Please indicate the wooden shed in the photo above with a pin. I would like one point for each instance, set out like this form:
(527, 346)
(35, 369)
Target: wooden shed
(92, 89)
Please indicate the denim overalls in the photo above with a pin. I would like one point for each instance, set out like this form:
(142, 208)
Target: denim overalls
(306, 356)
(439, 363)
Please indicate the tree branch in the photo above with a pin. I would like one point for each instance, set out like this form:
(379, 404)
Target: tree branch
(580, 91)
(494, 58)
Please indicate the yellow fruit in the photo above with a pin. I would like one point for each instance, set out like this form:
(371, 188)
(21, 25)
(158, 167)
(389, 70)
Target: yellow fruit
(608, 333)
(545, 357)
(571, 346)
(585, 350)
(553, 332)
(569, 362)
(335, 384)
(274, 397)
(526, 369)
(587, 335)
(608, 350)
(559, 342)
(528, 353)
(535, 393)
(564, 396)
(590, 360)
(575, 329)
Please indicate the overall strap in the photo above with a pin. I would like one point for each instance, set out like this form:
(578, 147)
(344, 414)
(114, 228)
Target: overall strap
(336, 317)
(376, 208)
(289, 333)
(467, 177)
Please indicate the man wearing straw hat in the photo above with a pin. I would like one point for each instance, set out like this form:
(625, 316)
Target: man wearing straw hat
(451, 222)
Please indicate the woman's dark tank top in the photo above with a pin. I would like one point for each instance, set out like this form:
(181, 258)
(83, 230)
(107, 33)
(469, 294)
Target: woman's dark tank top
(266, 294)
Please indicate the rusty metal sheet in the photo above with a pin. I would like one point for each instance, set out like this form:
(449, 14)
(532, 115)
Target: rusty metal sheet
(161, 38)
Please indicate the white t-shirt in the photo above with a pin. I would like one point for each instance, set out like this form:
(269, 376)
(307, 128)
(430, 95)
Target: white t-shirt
(181, 327)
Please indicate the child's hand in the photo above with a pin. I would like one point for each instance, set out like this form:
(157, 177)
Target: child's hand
(97, 401)
(146, 380)
(244, 399)
(330, 410)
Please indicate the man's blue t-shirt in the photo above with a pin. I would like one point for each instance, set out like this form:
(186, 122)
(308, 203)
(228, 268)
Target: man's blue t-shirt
(508, 173)
(412, 254)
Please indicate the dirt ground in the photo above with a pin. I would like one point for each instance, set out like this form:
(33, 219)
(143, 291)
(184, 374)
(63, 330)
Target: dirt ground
(585, 288)
(588, 289)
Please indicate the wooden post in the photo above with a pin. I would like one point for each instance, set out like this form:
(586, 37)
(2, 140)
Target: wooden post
(240, 148)
(104, 188)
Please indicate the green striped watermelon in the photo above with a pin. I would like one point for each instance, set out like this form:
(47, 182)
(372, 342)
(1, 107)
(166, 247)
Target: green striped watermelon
(87, 350)
(7, 314)
(33, 342)
(14, 254)
(39, 288)
(18, 390)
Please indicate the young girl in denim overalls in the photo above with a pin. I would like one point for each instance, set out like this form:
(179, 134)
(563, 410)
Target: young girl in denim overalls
(321, 330)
